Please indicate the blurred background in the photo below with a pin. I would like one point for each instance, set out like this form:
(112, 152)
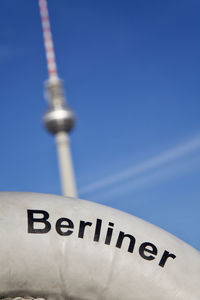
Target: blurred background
(131, 73)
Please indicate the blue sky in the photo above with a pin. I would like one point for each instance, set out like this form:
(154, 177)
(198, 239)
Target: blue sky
(131, 72)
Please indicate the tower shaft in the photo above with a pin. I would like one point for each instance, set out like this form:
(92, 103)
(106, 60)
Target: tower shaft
(66, 166)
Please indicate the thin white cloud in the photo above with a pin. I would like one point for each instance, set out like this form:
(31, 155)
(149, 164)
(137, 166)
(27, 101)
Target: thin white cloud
(168, 173)
(164, 158)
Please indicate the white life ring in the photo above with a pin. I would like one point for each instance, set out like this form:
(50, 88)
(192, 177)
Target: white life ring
(60, 248)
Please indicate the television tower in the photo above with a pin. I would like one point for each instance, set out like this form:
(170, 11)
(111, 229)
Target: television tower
(59, 118)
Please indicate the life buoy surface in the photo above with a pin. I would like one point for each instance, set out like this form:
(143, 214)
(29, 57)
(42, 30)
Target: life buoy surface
(60, 248)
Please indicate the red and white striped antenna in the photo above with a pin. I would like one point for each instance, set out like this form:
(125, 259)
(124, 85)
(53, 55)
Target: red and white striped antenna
(59, 118)
(48, 41)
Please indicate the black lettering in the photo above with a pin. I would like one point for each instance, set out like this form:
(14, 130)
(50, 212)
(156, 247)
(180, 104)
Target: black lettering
(82, 226)
(32, 220)
(120, 239)
(109, 234)
(145, 248)
(164, 258)
(60, 225)
(97, 230)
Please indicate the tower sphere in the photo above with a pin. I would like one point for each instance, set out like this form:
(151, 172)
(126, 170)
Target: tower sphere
(58, 119)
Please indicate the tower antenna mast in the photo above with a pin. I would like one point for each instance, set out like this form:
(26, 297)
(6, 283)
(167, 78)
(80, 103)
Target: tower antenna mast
(59, 118)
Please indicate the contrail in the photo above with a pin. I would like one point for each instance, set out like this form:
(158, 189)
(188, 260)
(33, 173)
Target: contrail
(166, 157)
